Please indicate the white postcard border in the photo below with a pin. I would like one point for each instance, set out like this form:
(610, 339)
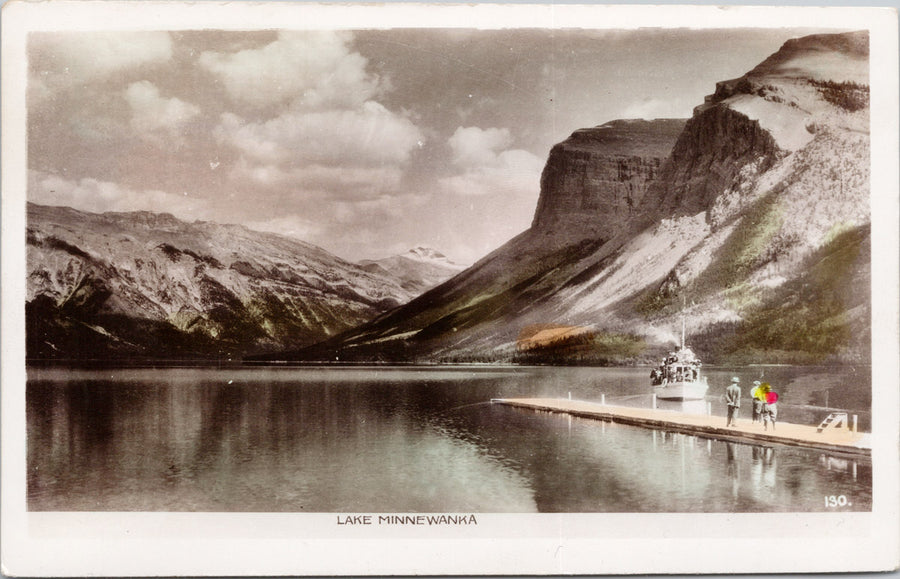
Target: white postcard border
(120, 544)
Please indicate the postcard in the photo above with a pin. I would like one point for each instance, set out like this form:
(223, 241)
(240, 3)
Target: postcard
(412, 289)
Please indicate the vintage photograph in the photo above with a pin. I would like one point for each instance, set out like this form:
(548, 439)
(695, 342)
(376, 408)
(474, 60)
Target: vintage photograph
(420, 276)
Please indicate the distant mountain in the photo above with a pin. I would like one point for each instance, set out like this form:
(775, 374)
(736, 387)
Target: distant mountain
(149, 285)
(751, 218)
(417, 270)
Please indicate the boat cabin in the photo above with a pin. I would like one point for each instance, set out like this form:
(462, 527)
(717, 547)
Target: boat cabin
(680, 366)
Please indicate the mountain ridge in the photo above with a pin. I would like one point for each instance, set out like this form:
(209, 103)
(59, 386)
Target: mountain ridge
(771, 168)
(147, 284)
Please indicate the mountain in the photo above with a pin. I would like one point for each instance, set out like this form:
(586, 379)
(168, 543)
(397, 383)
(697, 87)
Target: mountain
(751, 219)
(594, 181)
(149, 285)
(419, 269)
(485, 305)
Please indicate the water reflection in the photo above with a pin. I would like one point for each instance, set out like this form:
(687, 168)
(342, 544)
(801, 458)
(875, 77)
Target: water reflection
(252, 447)
(391, 440)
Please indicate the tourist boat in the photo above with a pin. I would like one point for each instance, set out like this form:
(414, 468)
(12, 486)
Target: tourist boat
(678, 376)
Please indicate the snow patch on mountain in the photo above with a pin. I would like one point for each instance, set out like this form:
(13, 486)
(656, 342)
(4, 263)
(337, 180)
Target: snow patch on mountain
(419, 269)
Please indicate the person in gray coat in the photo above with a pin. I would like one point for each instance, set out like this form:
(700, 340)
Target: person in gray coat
(732, 398)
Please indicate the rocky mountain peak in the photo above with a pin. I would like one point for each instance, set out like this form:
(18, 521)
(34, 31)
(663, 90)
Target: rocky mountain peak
(594, 180)
(759, 215)
(836, 57)
(750, 124)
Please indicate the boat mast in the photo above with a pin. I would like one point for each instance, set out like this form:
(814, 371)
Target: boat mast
(682, 332)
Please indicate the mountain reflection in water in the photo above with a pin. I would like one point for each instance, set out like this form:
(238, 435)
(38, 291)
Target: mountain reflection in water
(390, 440)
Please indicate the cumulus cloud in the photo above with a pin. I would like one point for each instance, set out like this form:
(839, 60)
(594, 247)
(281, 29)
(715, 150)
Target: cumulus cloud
(98, 196)
(367, 135)
(351, 228)
(317, 69)
(650, 108)
(152, 114)
(486, 169)
(384, 206)
(329, 136)
(473, 146)
(291, 225)
(347, 182)
(78, 56)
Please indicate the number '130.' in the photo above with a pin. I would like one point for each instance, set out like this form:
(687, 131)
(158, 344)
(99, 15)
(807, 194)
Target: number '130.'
(836, 501)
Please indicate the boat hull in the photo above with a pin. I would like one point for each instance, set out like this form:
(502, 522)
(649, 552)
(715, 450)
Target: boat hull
(682, 391)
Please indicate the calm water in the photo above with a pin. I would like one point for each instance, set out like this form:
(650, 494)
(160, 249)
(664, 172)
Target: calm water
(412, 440)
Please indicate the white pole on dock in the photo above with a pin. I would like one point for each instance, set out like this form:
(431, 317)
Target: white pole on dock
(709, 408)
(570, 395)
(855, 417)
(654, 401)
(603, 399)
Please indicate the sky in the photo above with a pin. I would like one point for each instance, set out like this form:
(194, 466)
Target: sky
(366, 143)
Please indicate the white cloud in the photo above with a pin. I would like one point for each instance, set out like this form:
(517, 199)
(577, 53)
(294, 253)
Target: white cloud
(474, 146)
(290, 225)
(347, 182)
(79, 56)
(329, 139)
(368, 135)
(315, 69)
(98, 196)
(650, 109)
(485, 169)
(385, 206)
(351, 229)
(152, 113)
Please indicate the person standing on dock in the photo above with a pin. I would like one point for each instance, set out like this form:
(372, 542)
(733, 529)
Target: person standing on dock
(733, 400)
(770, 411)
(757, 402)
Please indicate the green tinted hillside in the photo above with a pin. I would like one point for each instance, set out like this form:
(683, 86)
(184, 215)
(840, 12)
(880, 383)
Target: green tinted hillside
(820, 316)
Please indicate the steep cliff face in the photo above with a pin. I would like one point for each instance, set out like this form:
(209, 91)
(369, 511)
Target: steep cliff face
(761, 207)
(770, 172)
(145, 284)
(594, 181)
(717, 149)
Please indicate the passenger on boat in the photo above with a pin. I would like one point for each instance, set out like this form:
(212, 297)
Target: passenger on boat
(670, 373)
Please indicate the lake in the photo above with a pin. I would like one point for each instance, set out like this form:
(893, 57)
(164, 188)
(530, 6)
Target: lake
(415, 439)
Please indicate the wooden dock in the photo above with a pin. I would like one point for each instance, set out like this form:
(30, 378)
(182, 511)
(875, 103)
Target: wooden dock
(837, 440)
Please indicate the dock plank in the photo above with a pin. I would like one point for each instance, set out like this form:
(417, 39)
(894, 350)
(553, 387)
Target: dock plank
(840, 440)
